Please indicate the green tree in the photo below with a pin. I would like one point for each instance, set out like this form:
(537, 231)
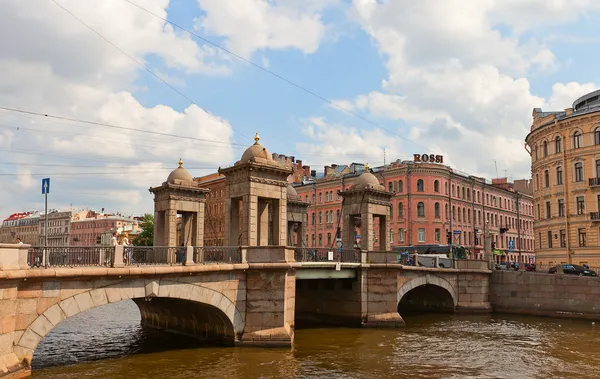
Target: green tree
(146, 237)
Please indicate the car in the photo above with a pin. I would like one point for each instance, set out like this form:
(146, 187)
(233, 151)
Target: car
(570, 269)
(530, 267)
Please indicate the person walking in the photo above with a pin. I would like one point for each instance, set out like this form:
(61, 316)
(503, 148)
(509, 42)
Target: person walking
(127, 250)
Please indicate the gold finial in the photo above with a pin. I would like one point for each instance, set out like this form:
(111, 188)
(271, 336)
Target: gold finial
(180, 163)
(256, 138)
(367, 167)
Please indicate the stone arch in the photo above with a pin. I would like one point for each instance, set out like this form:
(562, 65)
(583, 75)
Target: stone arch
(125, 290)
(428, 279)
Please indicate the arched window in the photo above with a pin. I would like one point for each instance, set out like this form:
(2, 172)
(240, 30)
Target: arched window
(558, 144)
(390, 187)
(597, 136)
(337, 215)
(420, 209)
(545, 148)
(577, 140)
(547, 178)
(400, 210)
(446, 188)
(453, 191)
(400, 186)
(420, 185)
(453, 213)
(395, 187)
(464, 215)
(446, 211)
(436, 186)
(535, 150)
(463, 192)
(436, 209)
(459, 215)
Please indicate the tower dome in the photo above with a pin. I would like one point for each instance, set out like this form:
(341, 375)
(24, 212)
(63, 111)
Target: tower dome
(179, 173)
(256, 151)
(367, 180)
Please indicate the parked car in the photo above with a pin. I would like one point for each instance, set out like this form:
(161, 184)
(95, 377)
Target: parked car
(530, 267)
(573, 270)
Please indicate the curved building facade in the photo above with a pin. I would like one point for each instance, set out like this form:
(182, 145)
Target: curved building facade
(565, 167)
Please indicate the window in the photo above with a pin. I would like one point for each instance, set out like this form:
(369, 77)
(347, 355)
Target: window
(337, 215)
(463, 192)
(597, 136)
(400, 186)
(582, 237)
(580, 205)
(390, 187)
(548, 211)
(395, 186)
(561, 207)
(436, 186)
(536, 152)
(421, 235)
(598, 168)
(320, 197)
(313, 239)
(579, 172)
(557, 145)
(469, 216)
(563, 238)
(549, 239)
(420, 185)
(400, 210)
(453, 191)
(320, 239)
(545, 148)
(468, 194)
(453, 213)
(320, 219)
(314, 215)
(436, 209)
(577, 140)
(446, 211)
(546, 179)
(559, 176)
(539, 213)
(328, 239)
(437, 235)
(420, 209)
(446, 188)
(537, 181)
(401, 235)
(391, 235)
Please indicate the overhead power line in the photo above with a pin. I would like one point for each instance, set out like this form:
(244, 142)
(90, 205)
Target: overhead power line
(144, 67)
(276, 75)
(97, 123)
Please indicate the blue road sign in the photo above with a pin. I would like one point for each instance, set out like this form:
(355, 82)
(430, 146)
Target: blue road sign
(45, 186)
(511, 245)
(457, 232)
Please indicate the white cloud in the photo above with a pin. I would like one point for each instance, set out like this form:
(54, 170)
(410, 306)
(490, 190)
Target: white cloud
(250, 25)
(57, 66)
(564, 94)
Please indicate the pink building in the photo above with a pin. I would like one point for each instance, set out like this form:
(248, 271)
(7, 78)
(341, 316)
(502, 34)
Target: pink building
(89, 228)
(433, 205)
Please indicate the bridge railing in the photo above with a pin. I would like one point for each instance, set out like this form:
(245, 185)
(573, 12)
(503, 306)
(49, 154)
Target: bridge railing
(69, 256)
(320, 254)
(153, 255)
(217, 254)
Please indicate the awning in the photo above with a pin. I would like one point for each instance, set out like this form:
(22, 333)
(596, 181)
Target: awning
(498, 252)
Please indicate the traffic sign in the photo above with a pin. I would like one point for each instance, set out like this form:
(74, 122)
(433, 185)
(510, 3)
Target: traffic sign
(457, 232)
(511, 245)
(45, 186)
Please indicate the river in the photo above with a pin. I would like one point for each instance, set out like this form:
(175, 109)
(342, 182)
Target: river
(108, 342)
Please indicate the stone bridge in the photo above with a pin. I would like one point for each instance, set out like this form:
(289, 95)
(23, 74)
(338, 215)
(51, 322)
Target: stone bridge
(256, 299)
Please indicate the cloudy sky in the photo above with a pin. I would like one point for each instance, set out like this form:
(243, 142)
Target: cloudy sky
(452, 77)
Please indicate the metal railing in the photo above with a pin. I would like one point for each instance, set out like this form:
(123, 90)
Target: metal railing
(69, 256)
(153, 255)
(594, 182)
(217, 254)
(594, 216)
(320, 254)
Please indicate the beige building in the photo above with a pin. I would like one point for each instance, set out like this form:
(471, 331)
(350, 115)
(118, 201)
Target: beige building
(59, 226)
(565, 155)
(20, 225)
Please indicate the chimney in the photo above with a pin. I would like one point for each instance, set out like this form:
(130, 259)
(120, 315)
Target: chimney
(329, 170)
(313, 173)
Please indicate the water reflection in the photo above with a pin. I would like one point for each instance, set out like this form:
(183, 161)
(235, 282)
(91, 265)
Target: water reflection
(431, 346)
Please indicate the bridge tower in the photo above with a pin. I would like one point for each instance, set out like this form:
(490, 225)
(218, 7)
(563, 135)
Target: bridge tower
(363, 202)
(179, 195)
(297, 216)
(256, 199)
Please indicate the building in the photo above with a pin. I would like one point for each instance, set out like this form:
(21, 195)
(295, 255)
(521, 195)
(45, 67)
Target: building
(90, 228)
(214, 211)
(565, 166)
(430, 201)
(59, 228)
(20, 225)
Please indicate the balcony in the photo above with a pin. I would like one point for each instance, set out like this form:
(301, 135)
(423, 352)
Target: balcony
(594, 182)
(594, 216)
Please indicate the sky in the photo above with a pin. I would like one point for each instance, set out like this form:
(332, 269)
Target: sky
(325, 81)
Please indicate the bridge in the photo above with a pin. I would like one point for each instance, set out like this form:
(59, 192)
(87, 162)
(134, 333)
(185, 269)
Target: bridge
(252, 292)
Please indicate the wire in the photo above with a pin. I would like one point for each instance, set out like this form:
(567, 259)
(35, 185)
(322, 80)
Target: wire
(97, 123)
(144, 67)
(298, 86)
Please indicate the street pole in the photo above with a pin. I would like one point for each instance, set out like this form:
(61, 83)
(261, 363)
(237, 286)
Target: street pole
(45, 190)
(315, 217)
(519, 228)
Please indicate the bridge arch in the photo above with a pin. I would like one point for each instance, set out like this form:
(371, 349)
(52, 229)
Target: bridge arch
(430, 286)
(139, 290)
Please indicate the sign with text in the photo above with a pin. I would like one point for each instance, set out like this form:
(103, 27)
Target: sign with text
(430, 158)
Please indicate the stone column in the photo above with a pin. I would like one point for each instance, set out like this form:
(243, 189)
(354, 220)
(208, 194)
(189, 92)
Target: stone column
(348, 231)
(199, 226)
(263, 223)
(366, 228)
(170, 238)
(300, 234)
(384, 235)
(250, 223)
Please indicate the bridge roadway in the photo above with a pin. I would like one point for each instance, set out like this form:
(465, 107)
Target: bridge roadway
(240, 295)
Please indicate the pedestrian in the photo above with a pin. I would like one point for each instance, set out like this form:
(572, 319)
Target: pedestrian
(19, 242)
(126, 249)
(113, 240)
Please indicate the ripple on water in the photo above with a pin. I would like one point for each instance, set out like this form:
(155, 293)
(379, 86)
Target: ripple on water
(108, 342)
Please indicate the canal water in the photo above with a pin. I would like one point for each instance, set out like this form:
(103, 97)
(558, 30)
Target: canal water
(108, 342)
